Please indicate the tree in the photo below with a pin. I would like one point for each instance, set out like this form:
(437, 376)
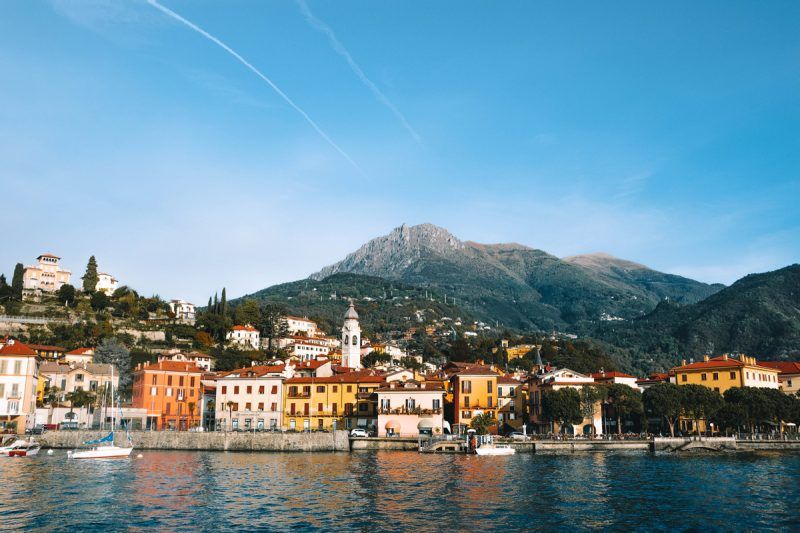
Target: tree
(66, 294)
(482, 422)
(16, 282)
(273, 325)
(589, 396)
(700, 403)
(664, 401)
(111, 352)
(191, 406)
(562, 406)
(99, 301)
(625, 400)
(375, 358)
(247, 312)
(223, 304)
(52, 396)
(411, 363)
(90, 278)
(79, 398)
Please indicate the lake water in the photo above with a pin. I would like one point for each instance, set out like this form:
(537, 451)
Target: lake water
(400, 491)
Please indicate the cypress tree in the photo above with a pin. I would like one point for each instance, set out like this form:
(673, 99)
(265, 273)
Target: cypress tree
(224, 303)
(208, 308)
(16, 282)
(90, 278)
(216, 304)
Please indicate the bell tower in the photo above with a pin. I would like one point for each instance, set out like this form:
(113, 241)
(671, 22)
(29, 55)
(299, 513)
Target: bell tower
(351, 339)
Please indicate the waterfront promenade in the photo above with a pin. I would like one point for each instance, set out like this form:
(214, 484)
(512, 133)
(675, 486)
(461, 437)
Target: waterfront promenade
(338, 441)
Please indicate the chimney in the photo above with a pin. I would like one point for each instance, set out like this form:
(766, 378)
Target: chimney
(724, 357)
(705, 358)
(683, 362)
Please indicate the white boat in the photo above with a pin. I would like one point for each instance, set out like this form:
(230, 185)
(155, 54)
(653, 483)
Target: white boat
(495, 449)
(21, 448)
(105, 448)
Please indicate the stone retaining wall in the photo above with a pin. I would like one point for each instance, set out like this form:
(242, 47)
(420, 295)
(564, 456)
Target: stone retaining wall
(177, 440)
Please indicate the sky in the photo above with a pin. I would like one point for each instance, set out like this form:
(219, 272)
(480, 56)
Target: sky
(196, 144)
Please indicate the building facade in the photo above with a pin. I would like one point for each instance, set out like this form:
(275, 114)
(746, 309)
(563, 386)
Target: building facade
(725, 372)
(474, 393)
(185, 312)
(106, 283)
(46, 275)
(250, 398)
(172, 393)
(244, 336)
(351, 339)
(19, 376)
(410, 409)
(789, 376)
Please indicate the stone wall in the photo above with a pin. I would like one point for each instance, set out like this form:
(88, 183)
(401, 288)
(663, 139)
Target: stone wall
(178, 440)
(385, 443)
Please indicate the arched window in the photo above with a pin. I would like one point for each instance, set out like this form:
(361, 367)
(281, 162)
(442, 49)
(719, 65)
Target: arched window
(355, 340)
(346, 339)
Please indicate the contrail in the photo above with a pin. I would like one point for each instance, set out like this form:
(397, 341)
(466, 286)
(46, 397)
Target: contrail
(342, 51)
(258, 73)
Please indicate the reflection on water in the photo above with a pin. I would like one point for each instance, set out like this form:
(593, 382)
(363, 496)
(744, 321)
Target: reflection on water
(400, 491)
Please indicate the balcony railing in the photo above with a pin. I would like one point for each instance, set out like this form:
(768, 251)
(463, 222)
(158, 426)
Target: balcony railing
(299, 395)
(406, 411)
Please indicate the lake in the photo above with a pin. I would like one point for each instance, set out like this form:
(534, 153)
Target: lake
(401, 491)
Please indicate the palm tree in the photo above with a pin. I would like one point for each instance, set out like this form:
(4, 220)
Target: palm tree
(52, 396)
(78, 398)
(191, 406)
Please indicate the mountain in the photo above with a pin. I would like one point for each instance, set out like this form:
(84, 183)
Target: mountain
(515, 285)
(758, 315)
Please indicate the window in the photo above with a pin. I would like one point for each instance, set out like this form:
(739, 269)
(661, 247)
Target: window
(499, 390)
(2, 367)
(335, 409)
(224, 389)
(355, 340)
(489, 402)
(348, 409)
(169, 380)
(18, 367)
(236, 389)
(3, 389)
(93, 385)
(180, 381)
(305, 409)
(362, 407)
(733, 375)
(169, 392)
(249, 389)
(292, 423)
(466, 401)
(703, 376)
(167, 408)
(320, 388)
(683, 377)
(320, 423)
(348, 423)
(152, 391)
(466, 386)
(261, 389)
(319, 407)
(191, 382)
(715, 376)
(437, 404)
(307, 390)
(489, 387)
(274, 389)
(466, 414)
(335, 388)
(247, 406)
(410, 404)
(273, 407)
(349, 388)
(153, 381)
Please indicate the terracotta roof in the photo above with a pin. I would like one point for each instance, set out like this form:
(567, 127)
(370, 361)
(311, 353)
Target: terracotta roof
(312, 365)
(244, 328)
(654, 378)
(256, 371)
(506, 380)
(17, 348)
(172, 366)
(717, 362)
(299, 319)
(80, 351)
(418, 387)
(47, 348)
(350, 377)
(477, 371)
(785, 367)
(613, 374)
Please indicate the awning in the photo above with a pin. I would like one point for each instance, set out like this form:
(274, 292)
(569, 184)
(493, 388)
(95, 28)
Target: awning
(425, 423)
(392, 424)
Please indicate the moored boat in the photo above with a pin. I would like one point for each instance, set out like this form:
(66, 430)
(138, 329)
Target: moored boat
(495, 449)
(21, 448)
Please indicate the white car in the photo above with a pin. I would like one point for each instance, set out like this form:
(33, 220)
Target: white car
(358, 432)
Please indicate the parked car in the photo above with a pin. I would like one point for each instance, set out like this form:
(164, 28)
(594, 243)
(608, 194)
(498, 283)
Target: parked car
(358, 432)
(516, 435)
(36, 430)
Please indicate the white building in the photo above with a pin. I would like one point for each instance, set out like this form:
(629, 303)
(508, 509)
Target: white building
(244, 336)
(305, 351)
(47, 275)
(202, 360)
(94, 378)
(106, 283)
(185, 312)
(79, 356)
(19, 377)
(302, 325)
(351, 339)
(251, 398)
(410, 409)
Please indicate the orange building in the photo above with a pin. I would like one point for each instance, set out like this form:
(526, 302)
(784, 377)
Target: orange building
(171, 392)
(474, 393)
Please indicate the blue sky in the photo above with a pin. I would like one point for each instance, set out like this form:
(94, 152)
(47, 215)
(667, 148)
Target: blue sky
(668, 134)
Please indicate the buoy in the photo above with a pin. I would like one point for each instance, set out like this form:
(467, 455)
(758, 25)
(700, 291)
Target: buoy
(49, 452)
(139, 456)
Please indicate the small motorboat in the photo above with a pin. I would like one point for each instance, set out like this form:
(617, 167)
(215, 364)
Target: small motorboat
(101, 452)
(495, 449)
(21, 448)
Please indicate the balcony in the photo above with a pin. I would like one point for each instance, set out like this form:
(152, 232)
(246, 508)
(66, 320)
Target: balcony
(405, 411)
(299, 394)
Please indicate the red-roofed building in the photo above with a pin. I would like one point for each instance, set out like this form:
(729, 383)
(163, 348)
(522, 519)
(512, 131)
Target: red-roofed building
(81, 356)
(19, 377)
(251, 397)
(47, 352)
(244, 336)
(615, 377)
(474, 393)
(725, 372)
(172, 393)
(789, 377)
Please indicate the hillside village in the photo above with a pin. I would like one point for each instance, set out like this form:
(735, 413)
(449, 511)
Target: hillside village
(252, 366)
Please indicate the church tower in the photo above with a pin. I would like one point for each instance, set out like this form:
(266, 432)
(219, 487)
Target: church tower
(351, 339)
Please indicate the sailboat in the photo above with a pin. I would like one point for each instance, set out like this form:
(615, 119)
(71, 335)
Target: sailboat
(105, 448)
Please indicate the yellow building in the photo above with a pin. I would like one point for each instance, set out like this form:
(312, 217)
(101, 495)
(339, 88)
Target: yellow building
(316, 403)
(725, 372)
(474, 393)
